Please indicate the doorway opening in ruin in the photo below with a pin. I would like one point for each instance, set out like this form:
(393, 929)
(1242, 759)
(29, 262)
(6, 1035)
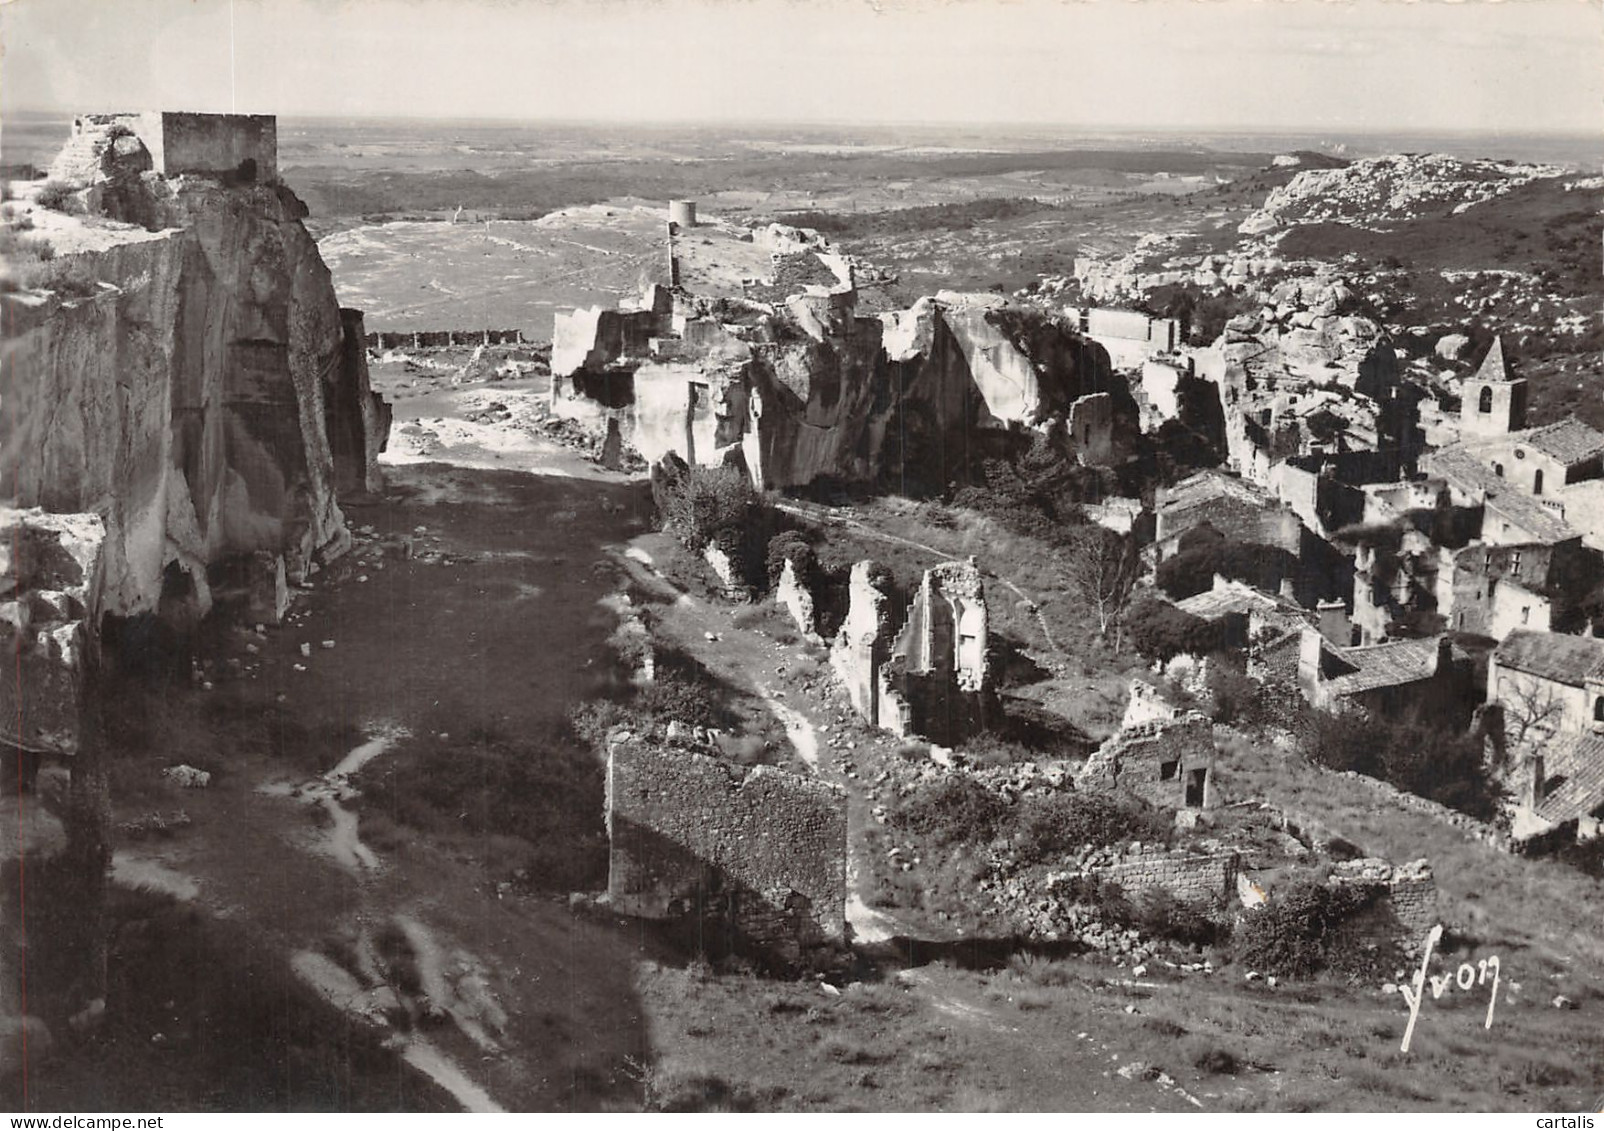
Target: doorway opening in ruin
(246, 173)
(1196, 787)
(613, 446)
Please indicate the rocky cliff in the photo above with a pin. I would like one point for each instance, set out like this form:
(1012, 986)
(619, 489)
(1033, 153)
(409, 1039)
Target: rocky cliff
(181, 368)
(808, 391)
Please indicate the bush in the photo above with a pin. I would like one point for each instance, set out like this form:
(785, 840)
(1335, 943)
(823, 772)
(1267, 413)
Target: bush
(706, 502)
(57, 196)
(1060, 823)
(1160, 913)
(954, 810)
(790, 546)
(1299, 932)
(1237, 699)
(1430, 758)
(670, 698)
(1160, 631)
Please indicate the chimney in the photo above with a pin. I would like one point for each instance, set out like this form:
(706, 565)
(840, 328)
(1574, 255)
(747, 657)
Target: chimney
(1310, 646)
(1537, 779)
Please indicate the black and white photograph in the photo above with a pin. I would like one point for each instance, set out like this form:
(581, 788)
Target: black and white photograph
(951, 556)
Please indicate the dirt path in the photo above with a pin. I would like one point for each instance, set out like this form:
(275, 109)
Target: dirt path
(751, 661)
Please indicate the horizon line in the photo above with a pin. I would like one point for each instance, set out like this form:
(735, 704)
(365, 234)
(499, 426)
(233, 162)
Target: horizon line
(839, 123)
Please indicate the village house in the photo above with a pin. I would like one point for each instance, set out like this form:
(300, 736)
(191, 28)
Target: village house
(1391, 680)
(1548, 692)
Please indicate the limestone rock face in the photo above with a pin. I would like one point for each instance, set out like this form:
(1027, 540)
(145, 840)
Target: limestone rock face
(203, 399)
(49, 591)
(808, 390)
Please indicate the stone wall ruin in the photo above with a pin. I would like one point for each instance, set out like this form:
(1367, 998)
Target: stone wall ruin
(759, 851)
(930, 677)
(49, 603)
(1405, 908)
(433, 339)
(1204, 876)
(1167, 762)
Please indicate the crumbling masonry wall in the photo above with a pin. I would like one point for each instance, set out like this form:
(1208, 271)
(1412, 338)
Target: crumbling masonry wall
(425, 339)
(1167, 762)
(930, 677)
(1192, 877)
(936, 683)
(863, 642)
(761, 849)
(49, 610)
(1406, 908)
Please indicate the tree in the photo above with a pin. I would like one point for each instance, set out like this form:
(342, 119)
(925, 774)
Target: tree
(1100, 567)
(1532, 713)
(704, 502)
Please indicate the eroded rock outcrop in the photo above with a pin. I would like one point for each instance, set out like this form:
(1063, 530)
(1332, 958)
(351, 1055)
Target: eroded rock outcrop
(1387, 190)
(808, 390)
(48, 591)
(197, 386)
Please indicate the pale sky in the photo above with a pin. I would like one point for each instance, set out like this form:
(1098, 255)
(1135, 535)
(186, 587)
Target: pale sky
(1514, 65)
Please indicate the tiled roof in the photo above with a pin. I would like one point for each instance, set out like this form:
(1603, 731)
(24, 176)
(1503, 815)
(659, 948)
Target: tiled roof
(1469, 473)
(1207, 487)
(1237, 597)
(1552, 655)
(1385, 665)
(1579, 763)
(1570, 441)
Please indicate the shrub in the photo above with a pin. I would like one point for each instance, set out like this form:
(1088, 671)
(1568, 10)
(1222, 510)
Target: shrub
(1299, 932)
(708, 501)
(953, 810)
(671, 698)
(1160, 631)
(57, 196)
(1060, 823)
(789, 545)
(1237, 699)
(1162, 914)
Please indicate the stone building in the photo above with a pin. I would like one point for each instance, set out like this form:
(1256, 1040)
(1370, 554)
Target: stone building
(1493, 403)
(757, 854)
(1547, 684)
(1167, 762)
(239, 146)
(1388, 680)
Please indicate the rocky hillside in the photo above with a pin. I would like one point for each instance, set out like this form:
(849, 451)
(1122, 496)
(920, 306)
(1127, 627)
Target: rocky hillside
(1389, 190)
(175, 361)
